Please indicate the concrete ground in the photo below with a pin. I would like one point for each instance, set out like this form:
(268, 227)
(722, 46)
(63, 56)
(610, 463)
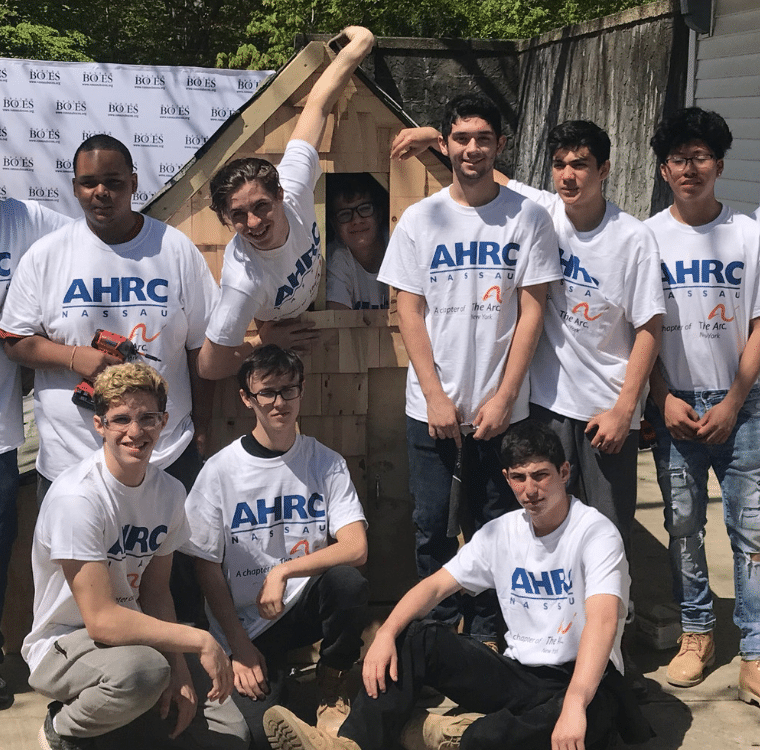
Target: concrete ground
(706, 716)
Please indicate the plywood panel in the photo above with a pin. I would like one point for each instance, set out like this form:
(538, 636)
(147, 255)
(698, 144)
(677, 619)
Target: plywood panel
(392, 350)
(344, 394)
(391, 566)
(344, 434)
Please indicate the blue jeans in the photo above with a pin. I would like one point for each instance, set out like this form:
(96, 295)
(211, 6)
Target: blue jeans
(431, 467)
(8, 519)
(682, 467)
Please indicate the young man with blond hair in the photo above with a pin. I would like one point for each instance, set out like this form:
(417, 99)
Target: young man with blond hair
(105, 645)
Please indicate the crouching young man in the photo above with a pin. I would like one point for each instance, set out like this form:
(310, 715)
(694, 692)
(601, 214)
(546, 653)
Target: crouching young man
(263, 512)
(561, 576)
(105, 645)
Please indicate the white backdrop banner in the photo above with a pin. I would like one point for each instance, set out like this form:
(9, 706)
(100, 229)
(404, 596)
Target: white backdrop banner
(162, 114)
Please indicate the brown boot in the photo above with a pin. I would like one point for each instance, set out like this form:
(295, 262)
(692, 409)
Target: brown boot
(749, 682)
(687, 667)
(285, 731)
(334, 703)
(427, 731)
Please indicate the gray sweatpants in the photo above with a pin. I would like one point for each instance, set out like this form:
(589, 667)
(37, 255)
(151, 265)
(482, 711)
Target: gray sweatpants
(112, 690)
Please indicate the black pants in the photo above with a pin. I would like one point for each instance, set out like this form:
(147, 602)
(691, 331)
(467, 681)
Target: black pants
(522, 704)
(332, 608)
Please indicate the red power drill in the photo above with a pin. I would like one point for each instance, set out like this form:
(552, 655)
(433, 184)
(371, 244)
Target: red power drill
(115, 345)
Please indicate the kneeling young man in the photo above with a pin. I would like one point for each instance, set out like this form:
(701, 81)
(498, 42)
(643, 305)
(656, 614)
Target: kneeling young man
(105, 645)
(263, 512)
(561, 576)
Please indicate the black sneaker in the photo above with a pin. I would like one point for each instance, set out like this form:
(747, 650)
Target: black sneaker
(49, 739)
(6, 696)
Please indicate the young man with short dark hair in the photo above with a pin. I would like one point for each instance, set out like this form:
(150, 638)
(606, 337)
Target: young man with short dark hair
(560, 572)
(471, 265)
(705, 388)
(105, 644)
(602, 326)
(263, 513)
(357, 208)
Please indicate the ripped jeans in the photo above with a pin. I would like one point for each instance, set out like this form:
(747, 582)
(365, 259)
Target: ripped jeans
(682, 467)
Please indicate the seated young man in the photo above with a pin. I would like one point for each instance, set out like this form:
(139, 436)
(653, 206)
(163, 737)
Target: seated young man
(273, 263)
(263, 512)
(560, 573)
(358, 211)
(105, 645)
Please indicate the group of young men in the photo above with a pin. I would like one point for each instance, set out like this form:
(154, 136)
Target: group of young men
(532, 321)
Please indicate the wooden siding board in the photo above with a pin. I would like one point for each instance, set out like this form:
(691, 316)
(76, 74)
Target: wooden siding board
(736, 23)
(728, 46)
(728, 67)
(728, 87)
(745, 107)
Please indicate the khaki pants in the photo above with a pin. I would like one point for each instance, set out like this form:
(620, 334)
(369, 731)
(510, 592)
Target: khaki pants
(112, 690)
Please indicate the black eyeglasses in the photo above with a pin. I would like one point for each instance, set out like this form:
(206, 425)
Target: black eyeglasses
(700, 161)
(268, 396)
(365, 210)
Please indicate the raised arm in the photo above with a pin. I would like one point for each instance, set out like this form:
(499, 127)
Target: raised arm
(311, 124)
(614, 424)
(594, 652)
(443, 417)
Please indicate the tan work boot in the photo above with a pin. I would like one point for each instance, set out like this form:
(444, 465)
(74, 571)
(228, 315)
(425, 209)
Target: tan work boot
(334, 703)
(426, 731)
(687, 667)
(749, 682)
(285, 731)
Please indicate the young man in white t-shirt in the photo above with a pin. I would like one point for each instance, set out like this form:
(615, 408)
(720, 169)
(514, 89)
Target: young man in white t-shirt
(273, 263)
(105, 645)
(278, 532)
(471, 265)
(357, 208)
(602, 327)
(560, 572)
(129, 274)
(705, 388)
(21, 224)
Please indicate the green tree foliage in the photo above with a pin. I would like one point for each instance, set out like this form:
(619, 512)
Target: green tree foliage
(274, 23)
(21, 37)
(261, 32)
(141, 32)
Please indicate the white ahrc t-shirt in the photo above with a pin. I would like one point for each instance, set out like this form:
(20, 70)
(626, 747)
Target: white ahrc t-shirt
(711, 279)
(21, 224)
(611, 286)
(280, 283)
(88, 515)
(468, 263)
(542, 583)
(349, 284)
(250, 514)
(156, 290)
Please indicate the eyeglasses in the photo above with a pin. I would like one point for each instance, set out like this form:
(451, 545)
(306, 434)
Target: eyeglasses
(699, 161)
(269, 395)
(365, 210)
(150, 420)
